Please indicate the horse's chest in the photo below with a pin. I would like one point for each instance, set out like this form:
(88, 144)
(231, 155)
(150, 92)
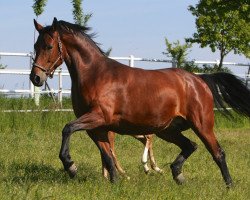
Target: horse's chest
(79, 102)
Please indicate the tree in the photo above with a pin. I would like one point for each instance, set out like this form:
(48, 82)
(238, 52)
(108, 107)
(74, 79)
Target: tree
(78, 15)
(38, 6)
(222, 25)
(177, 52)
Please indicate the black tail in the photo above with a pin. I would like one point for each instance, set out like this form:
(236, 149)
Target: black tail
(229, 89)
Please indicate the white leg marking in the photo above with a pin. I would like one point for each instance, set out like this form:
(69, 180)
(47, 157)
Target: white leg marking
(105, 173)
(180, 179)
(145, 160)
(145, 155)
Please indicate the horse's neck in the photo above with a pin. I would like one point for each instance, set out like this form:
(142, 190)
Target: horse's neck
(80, 72)
(82, 81)
(81, 60)
(84, 68)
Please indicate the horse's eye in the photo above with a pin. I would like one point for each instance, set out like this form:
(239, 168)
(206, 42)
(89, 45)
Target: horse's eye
(49, 47)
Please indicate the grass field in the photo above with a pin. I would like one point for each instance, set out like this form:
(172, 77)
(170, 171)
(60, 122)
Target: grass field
(30, 167)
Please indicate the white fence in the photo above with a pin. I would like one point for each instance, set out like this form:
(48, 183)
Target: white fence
(35, 92)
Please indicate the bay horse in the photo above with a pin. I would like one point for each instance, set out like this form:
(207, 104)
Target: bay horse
(110, 96)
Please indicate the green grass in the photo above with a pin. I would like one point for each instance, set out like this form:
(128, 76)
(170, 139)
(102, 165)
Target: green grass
(30, 167)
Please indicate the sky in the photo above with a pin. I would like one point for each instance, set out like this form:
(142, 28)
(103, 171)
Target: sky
(130, 27)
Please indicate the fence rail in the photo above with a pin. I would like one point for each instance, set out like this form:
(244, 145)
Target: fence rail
(35, 92)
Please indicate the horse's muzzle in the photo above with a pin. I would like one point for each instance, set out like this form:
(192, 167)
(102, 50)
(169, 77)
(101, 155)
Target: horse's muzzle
(36, 79)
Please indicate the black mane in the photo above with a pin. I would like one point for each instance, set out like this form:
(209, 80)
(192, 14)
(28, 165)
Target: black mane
(74, 28)
(78, 29)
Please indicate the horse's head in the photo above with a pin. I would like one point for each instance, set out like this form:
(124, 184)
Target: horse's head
(49, 53)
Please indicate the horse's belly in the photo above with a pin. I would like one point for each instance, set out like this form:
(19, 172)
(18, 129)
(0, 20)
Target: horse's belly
(139, 126)
(125, 127)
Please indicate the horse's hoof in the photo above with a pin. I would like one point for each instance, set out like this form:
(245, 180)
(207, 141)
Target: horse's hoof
(146, 169)
(158, 170)
(114, 179)
(180, 179)
(125, 176)
(72, 171)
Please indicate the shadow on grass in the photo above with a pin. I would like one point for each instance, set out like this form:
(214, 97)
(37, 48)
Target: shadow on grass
(19, 173)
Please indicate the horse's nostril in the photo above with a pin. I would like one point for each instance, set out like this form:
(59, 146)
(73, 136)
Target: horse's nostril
(37, 79)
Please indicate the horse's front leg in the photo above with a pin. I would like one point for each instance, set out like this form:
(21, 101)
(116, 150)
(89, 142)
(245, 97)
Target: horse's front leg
(85, 122)
(65, 157)
(102, 140)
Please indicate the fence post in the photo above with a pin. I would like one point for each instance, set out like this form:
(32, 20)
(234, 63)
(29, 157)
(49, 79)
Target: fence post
(60, 86)
(131, 61)
(37, 95)
(35, 91)
(32, 89)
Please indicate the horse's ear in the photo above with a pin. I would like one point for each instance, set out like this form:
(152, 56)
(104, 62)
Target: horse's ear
(38, 26)
(54, 24)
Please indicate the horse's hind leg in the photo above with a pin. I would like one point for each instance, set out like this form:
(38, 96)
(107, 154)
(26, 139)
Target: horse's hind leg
(111, 138)
(144, 159)
(208, 138)
(149, 145)
(147, 141)
(187, 146)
